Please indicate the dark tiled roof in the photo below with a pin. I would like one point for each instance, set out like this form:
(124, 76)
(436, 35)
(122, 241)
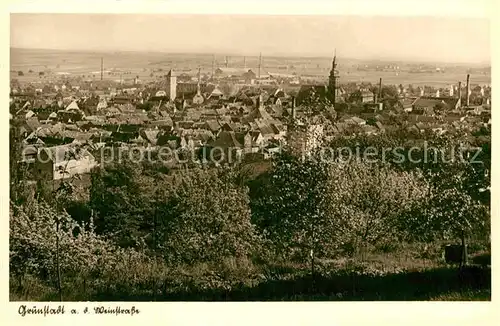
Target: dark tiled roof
(433, 101)
(213, 125)
(229, 139)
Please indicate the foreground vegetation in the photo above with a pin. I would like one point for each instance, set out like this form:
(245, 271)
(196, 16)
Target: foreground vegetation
(379, 277)
(303, 230)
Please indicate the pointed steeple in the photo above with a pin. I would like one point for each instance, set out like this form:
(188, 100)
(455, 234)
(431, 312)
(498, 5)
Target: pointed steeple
(198, 98)
(334, 63)
(332, 81)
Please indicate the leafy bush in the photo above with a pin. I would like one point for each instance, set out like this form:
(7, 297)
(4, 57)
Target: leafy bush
(82, 254)
(204, 217)
(308, 205)
(367, 200)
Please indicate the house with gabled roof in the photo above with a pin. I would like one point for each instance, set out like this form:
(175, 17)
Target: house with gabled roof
(29, 114)
(367, 96)
(213, 126)
(73, 106)
(64, 161)
(151, 135)
(307, 92)
(216, 94)
(229, 146)
(257, 138)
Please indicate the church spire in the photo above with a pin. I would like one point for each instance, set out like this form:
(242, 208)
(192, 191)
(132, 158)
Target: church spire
(332, 82)
(334, 63)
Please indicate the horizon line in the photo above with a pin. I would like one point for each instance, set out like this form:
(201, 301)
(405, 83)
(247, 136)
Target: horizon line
(273, 55)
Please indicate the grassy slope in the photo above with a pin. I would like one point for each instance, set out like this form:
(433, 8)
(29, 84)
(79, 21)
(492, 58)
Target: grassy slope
(407, 274)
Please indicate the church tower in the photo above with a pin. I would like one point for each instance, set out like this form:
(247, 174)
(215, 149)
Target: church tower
(332, 80)
(198, 98)
(171, 85)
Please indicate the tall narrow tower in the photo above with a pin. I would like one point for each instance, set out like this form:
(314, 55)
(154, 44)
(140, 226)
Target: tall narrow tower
(260, 62)
(459, 93)
(102, 67)
(171, 85)
(332, 80)
(379, 97)
(198, 98)
(213, 64)
(198, 90)
(467, 95)
(245, 63)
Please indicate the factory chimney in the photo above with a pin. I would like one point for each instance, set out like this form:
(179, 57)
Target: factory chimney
(460, 93)
(380, 90)
(293, 108)
(102, 67)
(213, 64)
(468, 90)
(260, 62)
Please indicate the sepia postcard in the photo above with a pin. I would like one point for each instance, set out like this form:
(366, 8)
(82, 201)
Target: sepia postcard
(325, 155)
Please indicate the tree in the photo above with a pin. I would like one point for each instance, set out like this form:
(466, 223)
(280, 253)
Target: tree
(289, 207)
(121, 203)
(389, 91)
(35, 240)
(203, 216)
(367, 200)
(19, 171)
(439, 108)
(20, 73)
(448, 212)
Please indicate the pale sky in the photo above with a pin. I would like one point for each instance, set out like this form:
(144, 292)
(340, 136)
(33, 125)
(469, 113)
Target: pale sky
(412, 38)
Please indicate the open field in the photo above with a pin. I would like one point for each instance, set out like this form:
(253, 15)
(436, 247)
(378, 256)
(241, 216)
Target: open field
(142, 64)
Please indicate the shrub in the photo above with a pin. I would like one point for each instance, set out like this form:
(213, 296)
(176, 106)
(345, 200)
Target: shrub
(204, 217)
(82, 255)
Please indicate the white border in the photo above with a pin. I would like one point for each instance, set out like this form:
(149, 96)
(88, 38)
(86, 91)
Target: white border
(342, 313)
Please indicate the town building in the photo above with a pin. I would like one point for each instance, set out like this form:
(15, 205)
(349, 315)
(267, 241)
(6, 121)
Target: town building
(171, 85)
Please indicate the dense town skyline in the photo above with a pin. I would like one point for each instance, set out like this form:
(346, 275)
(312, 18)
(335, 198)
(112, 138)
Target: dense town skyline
(426, 39)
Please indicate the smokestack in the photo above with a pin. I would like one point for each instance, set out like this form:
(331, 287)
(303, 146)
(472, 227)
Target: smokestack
(468, 90)
(102, 67)
(244, 62)
(260, 62)
(460, 92)
(227, 61)
(293, 107)
(213, 64)
(380, 90)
